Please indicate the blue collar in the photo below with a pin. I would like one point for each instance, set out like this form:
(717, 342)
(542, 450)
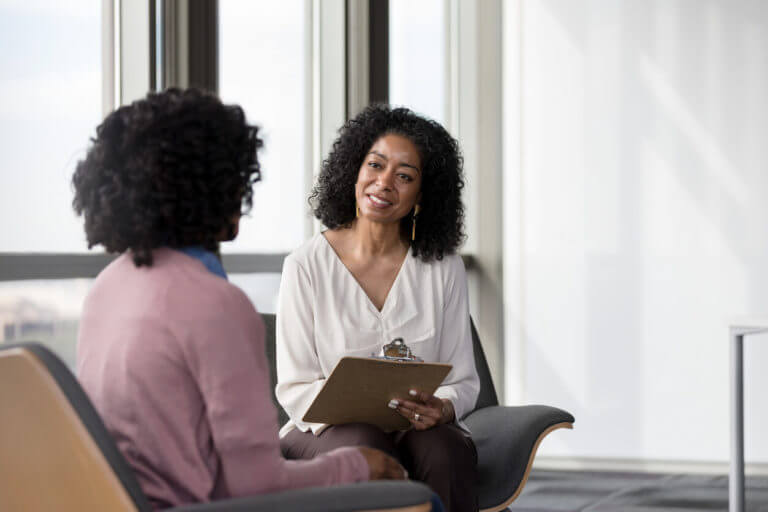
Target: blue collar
(207, 258)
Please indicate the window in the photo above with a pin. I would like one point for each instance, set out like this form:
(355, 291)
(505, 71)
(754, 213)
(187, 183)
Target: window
(46, 311)
(264, 66)
(50, 102)
(418, 63)
(260, 288)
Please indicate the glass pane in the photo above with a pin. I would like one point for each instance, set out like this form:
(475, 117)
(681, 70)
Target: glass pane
(45, 311)
(417, 56)
(50, 104)
(260, 288)
(263, 67)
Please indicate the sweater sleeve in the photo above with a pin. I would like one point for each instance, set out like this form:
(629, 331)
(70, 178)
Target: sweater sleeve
(229, 364)
(299, 376)
(462, 384)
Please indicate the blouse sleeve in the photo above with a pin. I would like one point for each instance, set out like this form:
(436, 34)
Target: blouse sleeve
(230, 366)
(462, 384)
(299, 376)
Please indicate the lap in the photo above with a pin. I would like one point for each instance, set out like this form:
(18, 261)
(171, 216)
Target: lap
(446, 442)
(305, 445)
(443, 441)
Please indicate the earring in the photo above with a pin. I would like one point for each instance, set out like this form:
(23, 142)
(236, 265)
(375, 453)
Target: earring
(413, 229)
(357, 210)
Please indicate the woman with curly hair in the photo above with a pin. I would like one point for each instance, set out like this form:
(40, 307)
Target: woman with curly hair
(386, 267)
(170, 353)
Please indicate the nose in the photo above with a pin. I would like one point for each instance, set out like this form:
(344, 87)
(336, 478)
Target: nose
(385, 179)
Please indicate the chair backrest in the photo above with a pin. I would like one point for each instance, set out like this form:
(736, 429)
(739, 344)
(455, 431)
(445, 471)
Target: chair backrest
(56, 452)
(487, 396)
(269, 343)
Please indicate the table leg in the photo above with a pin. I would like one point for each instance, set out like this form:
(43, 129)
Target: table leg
(736, 480)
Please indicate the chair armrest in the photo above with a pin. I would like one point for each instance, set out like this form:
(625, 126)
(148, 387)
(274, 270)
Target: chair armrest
(506, 439)
(363, 496)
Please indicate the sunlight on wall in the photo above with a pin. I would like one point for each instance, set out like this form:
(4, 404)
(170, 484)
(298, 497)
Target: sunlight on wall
(644, 203)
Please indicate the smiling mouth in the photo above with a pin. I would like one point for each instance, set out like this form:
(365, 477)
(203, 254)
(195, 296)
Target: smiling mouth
(378, 202)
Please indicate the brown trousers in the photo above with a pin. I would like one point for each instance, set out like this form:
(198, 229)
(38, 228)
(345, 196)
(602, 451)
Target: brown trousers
(443, 457)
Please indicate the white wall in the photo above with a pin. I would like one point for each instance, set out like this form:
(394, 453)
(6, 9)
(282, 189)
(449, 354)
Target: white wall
(637, 177)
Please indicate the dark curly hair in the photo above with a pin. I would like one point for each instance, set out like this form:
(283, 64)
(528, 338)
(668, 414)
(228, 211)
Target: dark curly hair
(170, 170)
(440, 224)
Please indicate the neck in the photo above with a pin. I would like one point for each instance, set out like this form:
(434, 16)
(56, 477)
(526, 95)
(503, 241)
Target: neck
(376, 239)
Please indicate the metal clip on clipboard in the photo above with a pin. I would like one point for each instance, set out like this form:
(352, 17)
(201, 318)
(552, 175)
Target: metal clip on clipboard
(397, 350)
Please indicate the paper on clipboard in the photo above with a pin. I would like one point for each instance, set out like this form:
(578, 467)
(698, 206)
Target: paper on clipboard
(359, 389)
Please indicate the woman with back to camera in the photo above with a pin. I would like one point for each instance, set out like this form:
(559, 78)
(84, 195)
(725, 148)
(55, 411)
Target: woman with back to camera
(170, 353)
(386, 267)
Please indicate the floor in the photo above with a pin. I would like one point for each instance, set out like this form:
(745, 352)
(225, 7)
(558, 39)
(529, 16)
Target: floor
(566, 491)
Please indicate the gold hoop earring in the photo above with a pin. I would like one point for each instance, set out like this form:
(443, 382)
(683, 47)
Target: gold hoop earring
(413, 228)
(357, 210)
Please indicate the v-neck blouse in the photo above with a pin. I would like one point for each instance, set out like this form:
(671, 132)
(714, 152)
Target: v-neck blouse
(323, 314)
(391, 298)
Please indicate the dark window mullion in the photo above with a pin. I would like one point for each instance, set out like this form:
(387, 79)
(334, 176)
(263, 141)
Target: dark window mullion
(204, 44)
(378, 62)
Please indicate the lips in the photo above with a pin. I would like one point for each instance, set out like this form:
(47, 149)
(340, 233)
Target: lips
(378, 202)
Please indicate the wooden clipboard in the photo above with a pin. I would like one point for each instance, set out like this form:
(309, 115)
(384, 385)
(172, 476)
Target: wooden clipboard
(359, 389)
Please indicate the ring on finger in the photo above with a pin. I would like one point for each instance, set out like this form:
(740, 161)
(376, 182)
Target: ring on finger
(416, 417)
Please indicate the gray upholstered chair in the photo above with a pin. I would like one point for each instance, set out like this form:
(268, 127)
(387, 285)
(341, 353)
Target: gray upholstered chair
(56, 454)
(506, 437)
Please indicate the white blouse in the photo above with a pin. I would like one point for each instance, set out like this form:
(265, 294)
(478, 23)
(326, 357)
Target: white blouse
(323, 314)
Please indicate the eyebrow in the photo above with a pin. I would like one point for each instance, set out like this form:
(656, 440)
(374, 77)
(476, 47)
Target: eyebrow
(387, 159)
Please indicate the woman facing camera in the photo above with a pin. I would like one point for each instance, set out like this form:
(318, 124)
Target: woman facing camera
(386, 267)
(170, 353)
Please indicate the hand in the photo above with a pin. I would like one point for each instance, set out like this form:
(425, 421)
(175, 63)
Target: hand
(424, 410)
(382, 466)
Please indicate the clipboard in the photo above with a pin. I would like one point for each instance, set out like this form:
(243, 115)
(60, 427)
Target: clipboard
(359, 389)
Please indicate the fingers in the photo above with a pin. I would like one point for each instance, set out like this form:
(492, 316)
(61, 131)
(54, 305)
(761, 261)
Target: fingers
(421, 416)
(423, 411)
(381, 465)
(426, 398)
(395, 471)
(447, 412)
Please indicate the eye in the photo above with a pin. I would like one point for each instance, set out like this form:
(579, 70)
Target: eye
(405, 177)
(375, 165)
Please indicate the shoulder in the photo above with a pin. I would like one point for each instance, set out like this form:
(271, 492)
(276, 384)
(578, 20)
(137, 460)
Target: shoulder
(449, 269)
(312, 258)
(197, 288)
(307, 251)
(110, 282)
(211, 308)
(453, 263)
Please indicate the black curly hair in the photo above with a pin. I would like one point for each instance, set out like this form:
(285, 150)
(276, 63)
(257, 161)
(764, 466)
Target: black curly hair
(170, 170)
(440, 224)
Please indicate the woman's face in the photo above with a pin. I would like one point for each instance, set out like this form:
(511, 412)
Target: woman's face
(389, 180)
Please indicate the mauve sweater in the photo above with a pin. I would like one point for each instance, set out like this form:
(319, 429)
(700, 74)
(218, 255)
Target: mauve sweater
(172, 356)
